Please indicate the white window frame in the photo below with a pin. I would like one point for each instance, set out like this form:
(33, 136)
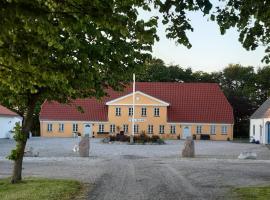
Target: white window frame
(112, 128)
(125, 128)
(161, 129)
(61, 127)
(213, 130)
(224, 130)
(101, 128)
(199, 129)
(173, 129)
(136, 128)
(117, 111)
(130, 111)
(156, 112)
(74, 127)
(144, 112)
(150, 129)
(49, 127)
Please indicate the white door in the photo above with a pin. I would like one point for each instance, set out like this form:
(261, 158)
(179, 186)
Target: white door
(186, 132)
(87, 130)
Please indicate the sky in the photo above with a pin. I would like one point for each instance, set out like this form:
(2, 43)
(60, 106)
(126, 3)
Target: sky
(210, 50)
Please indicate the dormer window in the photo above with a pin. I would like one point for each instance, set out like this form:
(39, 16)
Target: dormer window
(156, 112)
(130, 111)
(117, 111)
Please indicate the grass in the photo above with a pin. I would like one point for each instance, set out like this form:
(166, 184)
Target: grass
(41, 189)
(253, 193)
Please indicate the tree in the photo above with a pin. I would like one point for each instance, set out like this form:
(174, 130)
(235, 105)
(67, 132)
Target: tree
(239, 85)
(64, 49)
(251, 18)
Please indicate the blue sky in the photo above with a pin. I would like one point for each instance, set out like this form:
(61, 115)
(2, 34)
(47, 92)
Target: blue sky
(210, 50)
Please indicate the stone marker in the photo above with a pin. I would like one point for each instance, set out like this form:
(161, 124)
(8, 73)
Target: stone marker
(189, 149)
(84, 147)
(247, 155)
(29, 152)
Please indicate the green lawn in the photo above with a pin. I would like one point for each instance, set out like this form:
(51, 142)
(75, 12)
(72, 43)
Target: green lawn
(41, 189)
(253, 193)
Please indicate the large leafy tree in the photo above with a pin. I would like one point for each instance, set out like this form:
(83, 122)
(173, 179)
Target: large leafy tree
(66, 49)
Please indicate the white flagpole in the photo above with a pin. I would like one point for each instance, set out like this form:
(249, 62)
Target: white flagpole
(133, 107)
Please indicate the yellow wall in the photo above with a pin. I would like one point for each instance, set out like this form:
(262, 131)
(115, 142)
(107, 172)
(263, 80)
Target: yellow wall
(150, 119)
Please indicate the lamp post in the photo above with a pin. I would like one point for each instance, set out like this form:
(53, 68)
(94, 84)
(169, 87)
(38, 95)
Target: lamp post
(133, 112)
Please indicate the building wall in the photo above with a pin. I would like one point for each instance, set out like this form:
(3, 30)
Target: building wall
(259, 134)
(167, 135)
(7, 124)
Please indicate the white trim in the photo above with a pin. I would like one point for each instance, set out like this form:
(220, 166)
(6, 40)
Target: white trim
(145, 105)
(75, 121)
(112, 102)
(197, 123)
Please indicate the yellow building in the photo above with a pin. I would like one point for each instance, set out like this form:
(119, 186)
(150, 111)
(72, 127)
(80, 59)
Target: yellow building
(170, 110)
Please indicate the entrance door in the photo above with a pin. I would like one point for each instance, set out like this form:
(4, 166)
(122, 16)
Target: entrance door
(87, 130)
(186, 132)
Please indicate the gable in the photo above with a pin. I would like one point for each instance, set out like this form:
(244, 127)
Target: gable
(140, 99)
(263, 111)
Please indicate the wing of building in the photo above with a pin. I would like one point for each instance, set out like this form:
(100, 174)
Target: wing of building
(7, 121)
(170, 110)
(260, 123)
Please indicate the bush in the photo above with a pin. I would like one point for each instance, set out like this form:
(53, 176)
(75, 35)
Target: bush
(178, 137)
(194, 137)
(160, 141)
(155, 138)
(112, 138)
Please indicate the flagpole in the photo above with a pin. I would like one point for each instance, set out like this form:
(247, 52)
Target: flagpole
(133, 108)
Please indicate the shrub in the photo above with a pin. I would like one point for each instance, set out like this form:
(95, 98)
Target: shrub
(112, 138)
(228, 139)
(194, 137)
(178, 137)
(155, 138)
(160, 141)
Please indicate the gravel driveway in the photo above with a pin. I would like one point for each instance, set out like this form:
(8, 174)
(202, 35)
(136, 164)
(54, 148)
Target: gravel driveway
(120, 171)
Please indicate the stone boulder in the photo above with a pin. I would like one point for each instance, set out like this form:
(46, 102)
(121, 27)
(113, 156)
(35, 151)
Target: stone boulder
(29, 152)
(189, 148)
(84, 147)
(247, 155)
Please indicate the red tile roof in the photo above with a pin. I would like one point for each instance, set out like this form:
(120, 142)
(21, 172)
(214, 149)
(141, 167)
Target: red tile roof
(5, 111)
(189, 102)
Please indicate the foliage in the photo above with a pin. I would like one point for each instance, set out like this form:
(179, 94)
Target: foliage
(46, 189)
(18, 137)
(251, 18)
(252, 193)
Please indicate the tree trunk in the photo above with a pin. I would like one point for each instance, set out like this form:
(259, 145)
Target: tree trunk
(26, 127)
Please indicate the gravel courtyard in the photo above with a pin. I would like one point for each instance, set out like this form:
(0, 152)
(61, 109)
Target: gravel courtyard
(122, 171)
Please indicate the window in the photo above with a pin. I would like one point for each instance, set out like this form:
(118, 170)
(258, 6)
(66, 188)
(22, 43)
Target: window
(213, 130)
(49, 127)
(118, 111)
(173, 129)
(130, 111)
(161, 129)
(125, 128)
(75, 127)
(61, 127)
(199, 129)
(101, 128)
(150, 129)
(261, 130)
(156, 112)
(112, 128)
(144, 112)
(224, 130)
(253, 130)
(136, 128)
